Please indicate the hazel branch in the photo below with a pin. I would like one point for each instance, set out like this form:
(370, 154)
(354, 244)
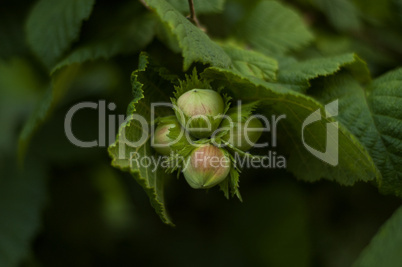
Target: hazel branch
(193, 17)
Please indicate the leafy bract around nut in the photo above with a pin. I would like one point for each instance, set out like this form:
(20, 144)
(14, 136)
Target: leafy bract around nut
(161, 141)
(207, 166)
(242, 128)
(199, 111)
(243, 135)
(201, 101)
(198, 107)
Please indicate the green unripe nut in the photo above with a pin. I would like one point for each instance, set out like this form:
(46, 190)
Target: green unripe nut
(243, 135)
(199, 107)
(206, 167)
(161, 141)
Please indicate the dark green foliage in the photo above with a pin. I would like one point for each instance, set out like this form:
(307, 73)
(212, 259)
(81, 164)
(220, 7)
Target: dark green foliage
(288, 58)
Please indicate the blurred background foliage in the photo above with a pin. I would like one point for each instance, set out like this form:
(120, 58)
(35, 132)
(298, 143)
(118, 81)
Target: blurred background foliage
(68, 207)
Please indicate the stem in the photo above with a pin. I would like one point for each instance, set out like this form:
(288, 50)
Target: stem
(193, 16)
(192, 10)
(144, 4)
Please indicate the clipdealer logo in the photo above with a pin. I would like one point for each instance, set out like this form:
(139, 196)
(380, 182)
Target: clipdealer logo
(331, 153)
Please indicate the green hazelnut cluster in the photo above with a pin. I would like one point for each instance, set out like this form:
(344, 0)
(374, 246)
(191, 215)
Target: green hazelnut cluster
(200, 113)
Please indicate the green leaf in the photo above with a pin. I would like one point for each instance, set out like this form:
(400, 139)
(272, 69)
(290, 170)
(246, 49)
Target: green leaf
(399, 5)
(377, 59)
(131, 38)
(53, 95)
(200, 7)
(19, 87)
(274, 29)
(298, 74)
(234, 183)
(194, 43)
(371, 11)
(12, 31)
(22, 198)
(355, 164)
(342, 14)
(251, 63)
(385, 248)
(51, 28)
(384, 99)
(148, 87)
(73, 81)
(375, 117)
